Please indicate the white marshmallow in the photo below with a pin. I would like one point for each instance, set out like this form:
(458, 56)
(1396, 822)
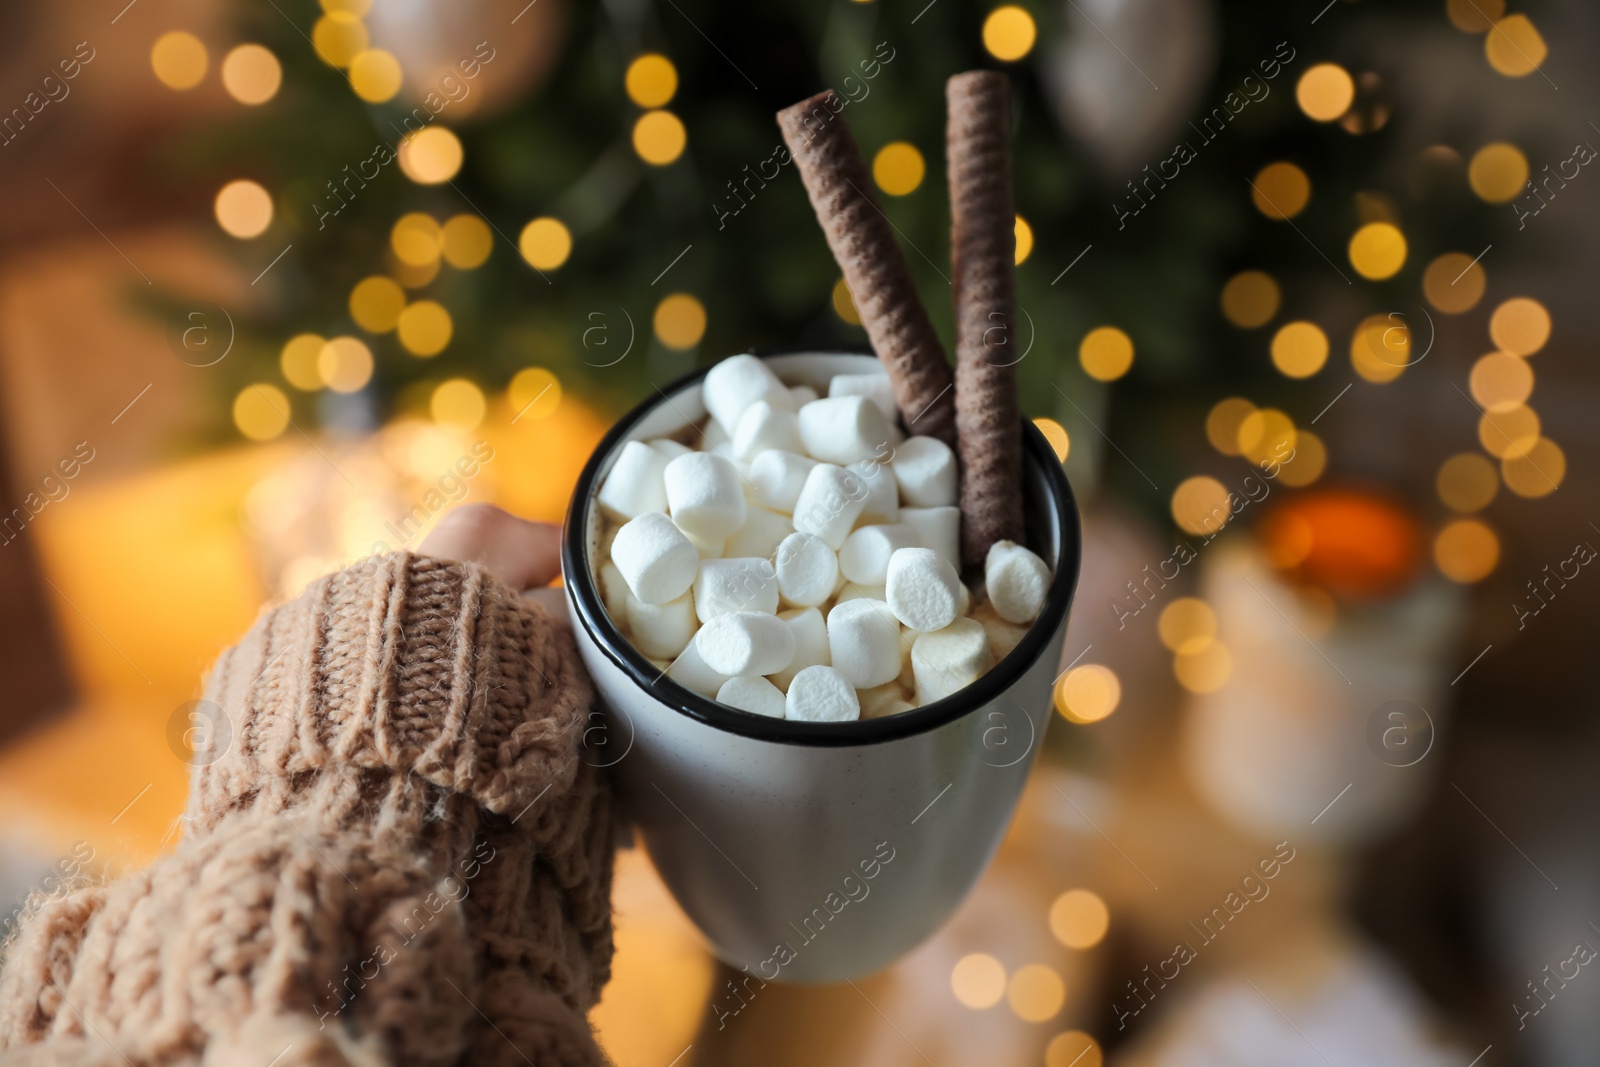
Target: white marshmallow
(926, 470)
(655, 558)
(852, 591)
(740, 584)
(662, 630)
(874, 701)
(864, 642)
(1003, 636)
(704, 496)
(746, 642)
(670, 448)
(691, 672)
(807, 570)
(1017, 581)
(708, 549)
(829, 503)
(964, 597)
(875, 387)
(801, 395)
(864, 557)
(923, 589)
(755, 695)
(736, 383)
(948, 660)
(635, 484)
(883, 492)
(763, 426)
(778, 478)
(810, 643)
(844, 430)
(760, 535)
(937, 528)
(821, 694)
(614, 592)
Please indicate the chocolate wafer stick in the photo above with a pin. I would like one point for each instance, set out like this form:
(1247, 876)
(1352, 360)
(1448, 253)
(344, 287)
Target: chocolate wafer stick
(982, 248)
(874, 267)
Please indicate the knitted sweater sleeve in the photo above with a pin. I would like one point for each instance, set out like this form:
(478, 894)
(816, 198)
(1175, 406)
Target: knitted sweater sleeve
(395, 857)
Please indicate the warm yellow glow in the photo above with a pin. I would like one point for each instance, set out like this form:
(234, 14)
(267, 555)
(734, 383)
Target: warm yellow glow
(651, 80)
(1187, 624)
(1453, 283)
(416, 239)
(1204, 671)
(1036, 993)
(1501, 381)
(1250, 299)
(358, 8)
(1056, 434)
(298, 361)
(1536, 470)
(1106, 353)
(1009, 33)
(1505, 433)
(1498, 172)
(1281, 190)
(345, 364)
(1088, 693)
(1466, 482)
(978, 981)
(534, 394)
(1267, 436)
(251, 74)
(1079, 918)
(1521, 326)
(659, 137)
(1380, 349)
(424, 328)
(1223, 422)
(545, 243)
(1378, 251)
(431, 156)
(1024, 240)
(243, 209)
(467, 241)
(1310, 459)
(376, 303)
(1200, 504)
(1514, 47)
(844, 304)
(1325, 92)
(375, 75)
(680, 321)
(1474, 16)
(339, 37)
(179, 60)
(458, 404)
(1299, 349)
(414, 277)
(1466, 551)
(261, 411)
(1073, 1048)
(898, 168)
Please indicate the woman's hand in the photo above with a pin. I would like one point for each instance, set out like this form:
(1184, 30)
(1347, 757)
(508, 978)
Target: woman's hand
(524, 555)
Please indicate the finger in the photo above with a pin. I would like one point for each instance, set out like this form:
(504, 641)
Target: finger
(520, 553)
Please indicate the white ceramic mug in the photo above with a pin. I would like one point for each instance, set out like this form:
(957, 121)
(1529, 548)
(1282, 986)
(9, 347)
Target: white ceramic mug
(816, 852)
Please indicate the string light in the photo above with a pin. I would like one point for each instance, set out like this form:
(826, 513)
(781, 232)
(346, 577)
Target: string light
(898, 168)
(1009, 33)
(545, 243)
(1378, 251)
(424, 328)
(416, 239)
(338, 37)
(376, 303)
(431, 156)
(467, 242)
(1514, 46)
(1073, 1048)
(251, 74)
(651, 80)
(1505, 433)
(1501, 381)
(375, 75)
(978, 981)
(659, 137)
(1498, 172)
(1309, 460)
(1079, 919)
(458, 404)
(844, 304)
(1474, 16)
(1325, 92)
(1088, 693)
(1200, 504)
(1299, 349)
(1466, 551)
(243, 209)
(1187, 624)
(1024, 240)
(1454, 283)
(1105, 353)
(1521, 325)
(1250, 299)
(1536, 470)
(298, 361)
(1036, 993)
(680, 321)
(1280, 190)
(345, 364)
(534, 393)
(1267, 436)
(179, 60)
(1056, 434)
(261, 411)
(1205, 671)
(1380, 348)
(1223, 422)
(1466, 483)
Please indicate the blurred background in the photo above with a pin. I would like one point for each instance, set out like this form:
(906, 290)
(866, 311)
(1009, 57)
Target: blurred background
(1306, 315)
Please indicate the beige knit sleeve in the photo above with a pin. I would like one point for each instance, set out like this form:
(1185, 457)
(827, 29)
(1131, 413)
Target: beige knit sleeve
(399, 858)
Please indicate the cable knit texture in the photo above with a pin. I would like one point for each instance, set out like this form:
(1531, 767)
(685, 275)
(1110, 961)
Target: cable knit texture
(399, 858)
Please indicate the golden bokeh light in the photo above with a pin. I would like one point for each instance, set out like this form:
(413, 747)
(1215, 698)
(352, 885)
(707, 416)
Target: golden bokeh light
(298, 361)
(1281, 190)
(1378, 251)
(1520, 326)
(431, 156)
(659, 137)
(375, 75)
(345, 364)
(545, 243)
(898, 168)
(1223, 422)
(243, 209)
(339, 37)
(1536, 470)
(1325, 92)
(1036, 993)
(1105, 353)
(358, 8)
(251, 74)
(1299, 349)
(1380, 348)
(534, 394)
(416, 239)
(1088, 693)
(1267, 436)
(1474, 16)
(1466, 483)
(1079, 918)
(1200, 504)
(458, 404)
(1501, 381)
(179, 60)
(467, 241)
(1514, 47)
(261, 411)
(844, 303)
(1454, 283)
(1498, 172)
(651, 80)
(1306, 465)
(680, 321)
(1073, 1048)
(1204, 671)
(1250, 299)
(1056, 434)
(376, 303)
(1466, 551)
(1024, 240)
(1187, 624)
(978, 981)
(1009, 33)
(424, 328)
(414, 276)
(1506, 433)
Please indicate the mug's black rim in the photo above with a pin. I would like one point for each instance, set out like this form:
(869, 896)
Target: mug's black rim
(582, 592)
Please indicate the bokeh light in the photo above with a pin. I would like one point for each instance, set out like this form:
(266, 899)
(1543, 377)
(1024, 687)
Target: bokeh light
(659, 137)
(844, 303)
(424, 328)
(1024, 240)
(458, 404)
(298, 361)
(1073, 1048)
(1056, 434)
(1088, 693)
(1187, 624)
(345, 364)
(898, 168)
(1498, 172)
(1474, 16)
(1378, 251)
(1009, 33)
(978, 981)
(431, 156)
(1501, 381)
(467, 241)
(376, 303)
(545, 243)
(1281, 190)
(179, 60)
(1036, 993)
(1380, 348)
(1223, 422)
(416, 239)
(375, 75)
(1106, 353)
(651, 80)
(1200, 504)
(1079, 918)
(261, 411)
(1536, 470)
(534, 394)
(1267, 436)
(358, 8)
(251, 74)
(1204, 671)
(680, 321)
(1325, 92)
(1466, 551)
(1250, 299)
(1505, 433)
(243, 209)
(339, 37)
(1466, 483)
(1299, 349)
(1521, 326)
(1514, 46)
(1306, 464)
(1454, 283)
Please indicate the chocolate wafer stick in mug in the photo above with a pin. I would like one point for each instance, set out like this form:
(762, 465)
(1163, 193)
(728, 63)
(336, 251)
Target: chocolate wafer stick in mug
(983, 248)
(873, 265)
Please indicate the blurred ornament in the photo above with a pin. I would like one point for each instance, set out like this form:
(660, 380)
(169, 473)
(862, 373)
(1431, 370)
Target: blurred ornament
(1349, 542)
(1103, 93)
